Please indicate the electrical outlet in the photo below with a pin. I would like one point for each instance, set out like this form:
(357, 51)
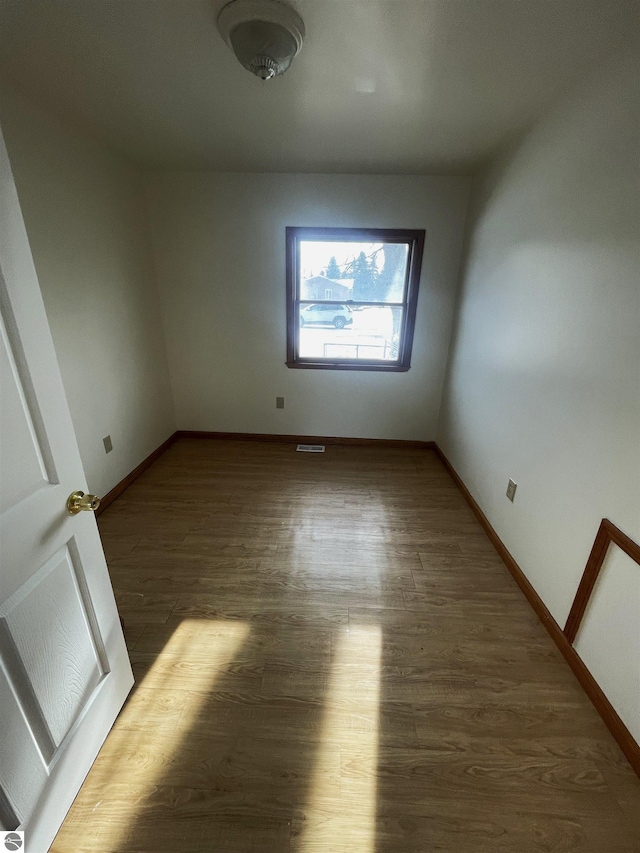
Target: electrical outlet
(279, 402)
(108, 444)
(511, 490)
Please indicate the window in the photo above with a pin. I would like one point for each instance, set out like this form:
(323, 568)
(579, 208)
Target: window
(365, 319)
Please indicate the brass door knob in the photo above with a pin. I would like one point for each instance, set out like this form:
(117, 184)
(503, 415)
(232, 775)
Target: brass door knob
(78, 501)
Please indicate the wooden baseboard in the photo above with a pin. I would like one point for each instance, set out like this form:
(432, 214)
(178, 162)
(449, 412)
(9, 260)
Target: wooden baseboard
(307, 439)
(118, 489)
(621, 733)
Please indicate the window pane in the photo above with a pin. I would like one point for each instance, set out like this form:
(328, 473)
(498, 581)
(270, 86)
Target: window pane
(352, 271)
(351, 297)
(340, 331)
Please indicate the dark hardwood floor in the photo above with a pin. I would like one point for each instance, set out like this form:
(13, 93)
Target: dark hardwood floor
(331, 658)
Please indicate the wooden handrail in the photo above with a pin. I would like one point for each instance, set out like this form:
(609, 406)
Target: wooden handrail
(607, 533)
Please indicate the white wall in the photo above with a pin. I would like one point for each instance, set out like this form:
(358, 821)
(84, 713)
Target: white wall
(613, 614)
(543, 382)
(220, 254)
(85, 218)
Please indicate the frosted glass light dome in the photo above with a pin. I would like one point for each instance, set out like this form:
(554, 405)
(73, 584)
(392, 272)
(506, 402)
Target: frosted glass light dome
(265, 35)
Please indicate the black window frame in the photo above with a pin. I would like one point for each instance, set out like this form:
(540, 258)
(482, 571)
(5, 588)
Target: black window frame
(414, 238)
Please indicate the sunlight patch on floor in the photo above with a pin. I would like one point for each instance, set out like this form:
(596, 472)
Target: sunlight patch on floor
(341, 814)
(204, 648)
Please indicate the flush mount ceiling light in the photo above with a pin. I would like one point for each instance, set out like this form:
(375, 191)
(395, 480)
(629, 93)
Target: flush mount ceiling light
(265, 35)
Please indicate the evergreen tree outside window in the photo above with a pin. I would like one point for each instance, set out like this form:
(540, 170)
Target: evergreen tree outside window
(333, 270)
(363, 318)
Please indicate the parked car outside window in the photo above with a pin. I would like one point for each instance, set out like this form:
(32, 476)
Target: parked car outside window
(326, 315)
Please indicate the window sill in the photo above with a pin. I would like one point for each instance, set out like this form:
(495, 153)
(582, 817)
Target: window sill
(348, 365)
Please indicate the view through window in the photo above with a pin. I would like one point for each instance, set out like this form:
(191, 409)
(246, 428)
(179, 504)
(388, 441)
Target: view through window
(352, 297)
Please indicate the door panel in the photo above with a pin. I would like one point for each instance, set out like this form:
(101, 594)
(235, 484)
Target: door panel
(22, 465)
(22, 769)
(47, 623)
(64, 669)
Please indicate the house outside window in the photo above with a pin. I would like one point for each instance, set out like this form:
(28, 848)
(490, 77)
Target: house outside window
(365, 319)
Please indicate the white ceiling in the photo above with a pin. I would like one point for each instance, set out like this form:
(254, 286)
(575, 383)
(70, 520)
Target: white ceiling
(395, 86)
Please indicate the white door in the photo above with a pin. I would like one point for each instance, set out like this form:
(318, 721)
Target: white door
(64, 668)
